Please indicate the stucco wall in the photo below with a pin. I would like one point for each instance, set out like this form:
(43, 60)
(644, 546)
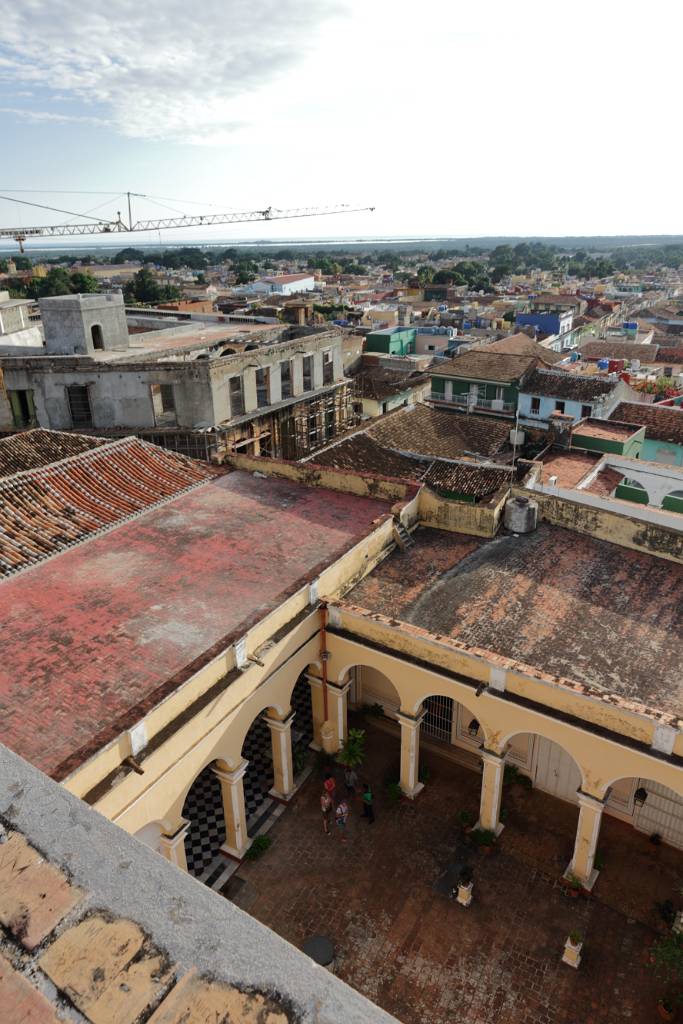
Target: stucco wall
(459, 516)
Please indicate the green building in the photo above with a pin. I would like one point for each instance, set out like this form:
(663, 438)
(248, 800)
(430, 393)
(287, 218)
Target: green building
(481, 380)
(392, 341)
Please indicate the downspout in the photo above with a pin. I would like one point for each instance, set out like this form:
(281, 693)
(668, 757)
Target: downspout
(324, 654)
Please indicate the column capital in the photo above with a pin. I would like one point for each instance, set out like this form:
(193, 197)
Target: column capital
(410, 721)
(491, 757)
(594, 803)
(280, 724)
(340, 689)
(232, 776)
(315, 682)
(177, 834)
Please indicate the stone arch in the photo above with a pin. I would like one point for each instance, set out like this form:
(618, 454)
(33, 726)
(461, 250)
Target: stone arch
(377, 684)
(673, 501)
(567, 789)
(649, 805)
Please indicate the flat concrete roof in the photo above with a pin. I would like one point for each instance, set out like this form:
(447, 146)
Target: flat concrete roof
(556, 600)
(95, 636)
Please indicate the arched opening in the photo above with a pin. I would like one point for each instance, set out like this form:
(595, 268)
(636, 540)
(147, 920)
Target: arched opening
(673, 502)
(541, 826)
(97, 337)
(632, 490)
(229, 352)
(639, 848)
(203, 808)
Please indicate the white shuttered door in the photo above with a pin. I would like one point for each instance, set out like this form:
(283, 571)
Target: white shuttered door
(556, 771)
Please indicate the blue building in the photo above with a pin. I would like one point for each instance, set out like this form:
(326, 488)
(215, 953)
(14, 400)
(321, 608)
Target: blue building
(546, 322)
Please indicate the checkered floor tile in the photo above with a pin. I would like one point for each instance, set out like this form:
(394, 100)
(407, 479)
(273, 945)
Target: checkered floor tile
(204, 806)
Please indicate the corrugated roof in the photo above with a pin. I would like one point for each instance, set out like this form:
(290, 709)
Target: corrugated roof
(50, 508)
(31, 449)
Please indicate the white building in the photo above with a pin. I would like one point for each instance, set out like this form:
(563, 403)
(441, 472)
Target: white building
(285, 284)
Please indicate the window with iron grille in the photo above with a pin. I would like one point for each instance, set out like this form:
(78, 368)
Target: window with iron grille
(79, 405)
(438, 719)
(236, 396)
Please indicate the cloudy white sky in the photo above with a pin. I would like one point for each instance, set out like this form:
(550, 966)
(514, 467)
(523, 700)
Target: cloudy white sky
(452, 119)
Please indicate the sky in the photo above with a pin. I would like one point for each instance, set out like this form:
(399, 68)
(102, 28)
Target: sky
(450, 119)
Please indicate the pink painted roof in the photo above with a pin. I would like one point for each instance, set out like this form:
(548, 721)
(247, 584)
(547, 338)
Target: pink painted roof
(95, 637)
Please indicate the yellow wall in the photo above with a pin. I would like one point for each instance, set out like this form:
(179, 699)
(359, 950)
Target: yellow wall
(460, 516)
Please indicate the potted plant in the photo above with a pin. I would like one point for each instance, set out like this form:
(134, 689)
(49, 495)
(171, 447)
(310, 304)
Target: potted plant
(572, 949)
(572, 886)
(352, 754)
(484, 839)
(666, 959)
(466, 819)
(465, 884)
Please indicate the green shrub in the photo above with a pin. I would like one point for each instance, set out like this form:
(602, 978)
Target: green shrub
(258, 847)
(483, 837)
(394, 792)
(666, 959)
(353, 753)
(375, 710)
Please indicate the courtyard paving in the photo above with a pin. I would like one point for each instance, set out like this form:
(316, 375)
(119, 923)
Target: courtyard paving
(427, 960)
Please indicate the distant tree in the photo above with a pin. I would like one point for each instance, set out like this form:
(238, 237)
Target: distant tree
(245, 277)
(3, 266)
(22, 263)
(145, 288)
(129, 255)
(83, 283)
(57, 282)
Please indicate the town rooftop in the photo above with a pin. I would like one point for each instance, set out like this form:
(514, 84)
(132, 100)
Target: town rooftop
(108, 628)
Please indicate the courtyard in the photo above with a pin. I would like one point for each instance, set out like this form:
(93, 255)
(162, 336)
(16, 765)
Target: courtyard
(403, 943)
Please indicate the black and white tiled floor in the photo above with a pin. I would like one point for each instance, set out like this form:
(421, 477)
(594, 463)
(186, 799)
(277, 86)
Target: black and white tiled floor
(204, 806)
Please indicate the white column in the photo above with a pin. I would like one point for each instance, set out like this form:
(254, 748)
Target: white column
(337, 708)
(493, 767)
(237, 840)
(283, 766)
(410, 753)
(586, 843)
(172, 847)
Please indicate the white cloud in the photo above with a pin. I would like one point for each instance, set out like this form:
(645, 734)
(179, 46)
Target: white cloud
(25, 114)
(157, 71)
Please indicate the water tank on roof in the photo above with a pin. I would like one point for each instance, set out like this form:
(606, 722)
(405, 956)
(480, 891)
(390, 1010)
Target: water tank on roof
(635, 365)
(517, 437)
(521, 515)
(603, 364)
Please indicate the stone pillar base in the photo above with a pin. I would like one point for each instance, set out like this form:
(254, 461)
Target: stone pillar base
(234, 854)
(587, 885)
(414, 792)
(282, 798)
(496, 831)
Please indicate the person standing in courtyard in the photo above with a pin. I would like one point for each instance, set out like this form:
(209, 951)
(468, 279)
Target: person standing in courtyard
(341, 818)
(351, 781)
(330, 785)
(326, 805)
(368, 804)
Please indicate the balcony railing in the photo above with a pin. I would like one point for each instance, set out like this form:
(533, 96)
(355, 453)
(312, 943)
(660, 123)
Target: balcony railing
(466, 401)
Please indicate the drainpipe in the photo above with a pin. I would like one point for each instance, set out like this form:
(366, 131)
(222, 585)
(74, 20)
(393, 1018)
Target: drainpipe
(327, 731)
(324, 654)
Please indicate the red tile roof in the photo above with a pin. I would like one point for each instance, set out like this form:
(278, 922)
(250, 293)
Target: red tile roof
(52, 507)
(33, 448)
(662, 422)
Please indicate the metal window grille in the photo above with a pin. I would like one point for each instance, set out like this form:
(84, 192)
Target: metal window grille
(438, 719)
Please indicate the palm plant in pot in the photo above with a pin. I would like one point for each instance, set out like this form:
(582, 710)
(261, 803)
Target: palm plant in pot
(352, 754)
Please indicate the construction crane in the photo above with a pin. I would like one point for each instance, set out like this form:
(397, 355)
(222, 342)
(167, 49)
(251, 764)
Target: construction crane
(99, 226)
